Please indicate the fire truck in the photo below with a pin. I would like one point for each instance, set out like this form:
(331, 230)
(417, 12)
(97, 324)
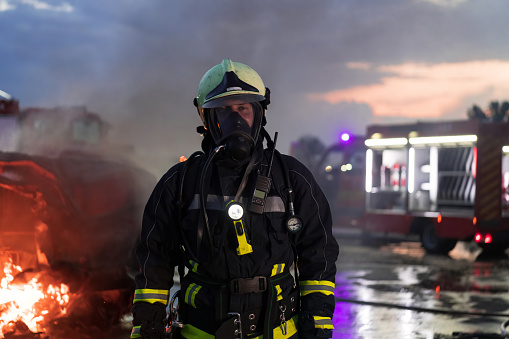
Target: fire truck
(444, 181)
(70, 201)
(339, 170)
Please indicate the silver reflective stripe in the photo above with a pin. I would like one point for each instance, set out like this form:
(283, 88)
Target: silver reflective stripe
(195, 266)
(324, 321)
(190, 294)
(150, 296)
(275, 204)
(214, 202)
(217, 202)
(278, 268)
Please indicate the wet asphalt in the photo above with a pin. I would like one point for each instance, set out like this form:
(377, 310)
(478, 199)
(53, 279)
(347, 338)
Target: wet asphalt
(388, 287)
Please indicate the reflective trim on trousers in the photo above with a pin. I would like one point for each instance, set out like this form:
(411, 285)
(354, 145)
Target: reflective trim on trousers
(323, 322)
(191, 293)
(191, 332)
(135, 332)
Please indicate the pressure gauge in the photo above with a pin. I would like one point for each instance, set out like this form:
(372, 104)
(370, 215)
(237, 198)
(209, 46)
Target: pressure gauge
(294, 224)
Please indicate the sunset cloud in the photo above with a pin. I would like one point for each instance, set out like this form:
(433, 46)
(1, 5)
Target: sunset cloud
(137, 63)
(359, 65)
(425, 90)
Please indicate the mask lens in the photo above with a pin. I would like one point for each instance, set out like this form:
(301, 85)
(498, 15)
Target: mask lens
(228, 114)
(234, 118)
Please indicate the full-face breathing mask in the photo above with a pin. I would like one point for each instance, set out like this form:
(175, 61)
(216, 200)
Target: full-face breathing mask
(237, 127)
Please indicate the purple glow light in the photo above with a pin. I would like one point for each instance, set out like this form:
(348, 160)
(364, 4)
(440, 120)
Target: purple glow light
(345, 136)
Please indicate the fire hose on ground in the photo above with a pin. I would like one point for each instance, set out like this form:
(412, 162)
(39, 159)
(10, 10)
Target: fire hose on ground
(457, 335)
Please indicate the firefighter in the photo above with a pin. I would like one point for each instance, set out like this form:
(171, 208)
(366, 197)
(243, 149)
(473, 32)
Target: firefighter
(248, 228)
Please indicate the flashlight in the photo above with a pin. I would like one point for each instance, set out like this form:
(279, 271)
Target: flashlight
(235, 211)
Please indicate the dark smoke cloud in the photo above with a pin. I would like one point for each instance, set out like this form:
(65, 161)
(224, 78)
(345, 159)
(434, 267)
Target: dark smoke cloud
(138, 63)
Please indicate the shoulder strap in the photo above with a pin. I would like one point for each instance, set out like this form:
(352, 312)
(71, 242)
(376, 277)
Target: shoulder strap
(183, 205)
(194, 169)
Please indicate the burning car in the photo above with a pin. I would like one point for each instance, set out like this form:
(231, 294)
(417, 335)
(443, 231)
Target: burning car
(70, 209)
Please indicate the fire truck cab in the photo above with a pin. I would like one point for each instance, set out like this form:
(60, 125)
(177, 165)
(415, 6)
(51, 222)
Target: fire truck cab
(446, 181)
(340, 173)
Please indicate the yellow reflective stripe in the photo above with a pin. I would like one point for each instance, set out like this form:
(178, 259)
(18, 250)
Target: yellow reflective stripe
(279, 290)
(191, 293)
(191, 332)
(151, 296)
(277, 268)
(323, 322)
(135, 333)
(316, 286)
(194, 264)
(291, 329)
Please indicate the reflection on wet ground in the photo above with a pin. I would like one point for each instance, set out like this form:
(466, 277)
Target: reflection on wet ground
(396, 290)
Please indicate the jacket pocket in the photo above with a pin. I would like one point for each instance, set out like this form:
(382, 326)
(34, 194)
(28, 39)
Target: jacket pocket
(277, 227)
(280, 245)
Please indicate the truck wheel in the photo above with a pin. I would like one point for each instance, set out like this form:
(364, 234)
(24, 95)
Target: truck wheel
(434, 244)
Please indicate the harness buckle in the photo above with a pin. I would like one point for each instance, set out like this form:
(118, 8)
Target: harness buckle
(283, 320)
(256, 284)
(174, 320)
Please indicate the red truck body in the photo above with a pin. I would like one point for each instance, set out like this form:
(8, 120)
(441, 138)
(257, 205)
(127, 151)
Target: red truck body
(446, 181)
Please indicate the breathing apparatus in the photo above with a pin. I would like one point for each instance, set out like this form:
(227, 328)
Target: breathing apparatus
(225, 94)
(237, 126)
(232, 101)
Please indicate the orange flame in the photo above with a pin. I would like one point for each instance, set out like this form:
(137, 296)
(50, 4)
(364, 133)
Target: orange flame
(29, 302)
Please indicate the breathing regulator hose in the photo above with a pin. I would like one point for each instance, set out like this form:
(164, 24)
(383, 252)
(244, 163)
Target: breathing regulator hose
(203, 197)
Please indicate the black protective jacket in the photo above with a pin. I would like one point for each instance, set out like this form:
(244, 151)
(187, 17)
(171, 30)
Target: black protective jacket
(218, 281)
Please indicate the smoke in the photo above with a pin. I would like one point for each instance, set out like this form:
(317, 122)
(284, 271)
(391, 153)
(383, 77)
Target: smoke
(154, 70)
(138, 63)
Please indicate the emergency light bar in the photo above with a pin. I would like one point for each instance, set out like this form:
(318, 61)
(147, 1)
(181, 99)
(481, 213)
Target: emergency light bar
(411, 169)
(369, 168)
(386, 142)
(452, 139)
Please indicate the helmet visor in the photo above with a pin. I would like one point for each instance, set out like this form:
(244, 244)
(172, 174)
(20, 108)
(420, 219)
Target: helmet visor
(228, 99)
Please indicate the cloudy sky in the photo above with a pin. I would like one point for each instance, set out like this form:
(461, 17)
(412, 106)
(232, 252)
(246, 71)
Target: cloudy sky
(332, 65)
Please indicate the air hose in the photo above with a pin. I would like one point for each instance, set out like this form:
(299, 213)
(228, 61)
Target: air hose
(456, 335)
